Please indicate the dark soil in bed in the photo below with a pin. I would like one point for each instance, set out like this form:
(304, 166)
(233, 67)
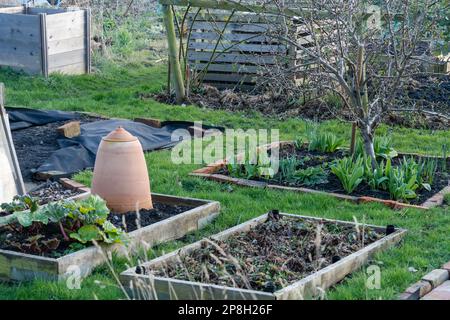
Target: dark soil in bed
(442, 179)
(130, 221)
(15, 238)
(34, 145)
(270, 256)
(52, 191)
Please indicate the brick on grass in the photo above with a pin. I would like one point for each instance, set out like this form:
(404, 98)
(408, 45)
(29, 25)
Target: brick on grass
(156, 123)
(70, 130)
(440, 293)
(418, 290)
(447, 267)
(70, 184)
(436, 277)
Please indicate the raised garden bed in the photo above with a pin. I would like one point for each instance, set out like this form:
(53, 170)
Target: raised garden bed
(325, 182)
(274, 256)
(172, 218)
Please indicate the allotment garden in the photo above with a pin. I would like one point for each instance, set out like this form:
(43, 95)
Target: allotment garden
(350, 202)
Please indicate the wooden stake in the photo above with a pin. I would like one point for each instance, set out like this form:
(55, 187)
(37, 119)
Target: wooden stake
(20, 186)
(175, 67)
(353, 141)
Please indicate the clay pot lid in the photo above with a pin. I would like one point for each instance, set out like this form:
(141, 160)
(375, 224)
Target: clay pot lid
(120, 135)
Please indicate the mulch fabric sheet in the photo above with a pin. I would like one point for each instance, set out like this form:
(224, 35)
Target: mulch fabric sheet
(79, 153)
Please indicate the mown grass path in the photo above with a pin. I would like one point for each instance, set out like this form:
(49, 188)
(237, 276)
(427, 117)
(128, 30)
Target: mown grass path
(116, 92)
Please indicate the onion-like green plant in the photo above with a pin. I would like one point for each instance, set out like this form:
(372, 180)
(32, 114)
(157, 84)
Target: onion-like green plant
(350, 172)
(325, 142)
(427, 171)
(400, 187)
(375, 178)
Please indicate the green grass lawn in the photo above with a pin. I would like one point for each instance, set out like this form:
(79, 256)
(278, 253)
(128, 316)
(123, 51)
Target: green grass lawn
(116, 92)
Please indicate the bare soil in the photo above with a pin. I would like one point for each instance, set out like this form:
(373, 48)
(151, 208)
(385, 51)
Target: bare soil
(34, 145)
(271, 256)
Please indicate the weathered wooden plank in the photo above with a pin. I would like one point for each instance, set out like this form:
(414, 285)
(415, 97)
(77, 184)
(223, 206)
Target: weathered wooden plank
(23, 267)
(67, 32)
(232, 57)
(233, 26)
(44, 47)
(21, 61)
(226, 47)
(88, 40)
(66, 45)
(227, 67)
(233, 37)
(159, 288)
(77, 68)
(64, 19)
(13, 10)
(18, 21)
(241, 17)
(48, 11)
(13, 39)
(225, 77)
(66, 58)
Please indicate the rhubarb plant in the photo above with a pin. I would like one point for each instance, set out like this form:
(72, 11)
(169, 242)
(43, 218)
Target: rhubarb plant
(83, 221)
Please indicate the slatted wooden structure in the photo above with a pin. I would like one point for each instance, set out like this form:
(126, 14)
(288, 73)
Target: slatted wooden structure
(229, 50)
(43, 40)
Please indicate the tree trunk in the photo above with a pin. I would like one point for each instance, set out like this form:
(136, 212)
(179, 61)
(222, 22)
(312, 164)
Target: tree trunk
(368, 146)
(175, 67)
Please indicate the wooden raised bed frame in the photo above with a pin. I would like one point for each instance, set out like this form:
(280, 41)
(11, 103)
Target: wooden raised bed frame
(43, 40)
(15, 266)
(151, 287)
(209, 172)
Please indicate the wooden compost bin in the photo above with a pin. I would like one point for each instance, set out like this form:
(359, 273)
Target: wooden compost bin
(151, 287)
(15, 266)
(43, 41)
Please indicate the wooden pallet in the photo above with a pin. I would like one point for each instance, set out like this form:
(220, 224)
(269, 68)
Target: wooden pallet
(234, 50)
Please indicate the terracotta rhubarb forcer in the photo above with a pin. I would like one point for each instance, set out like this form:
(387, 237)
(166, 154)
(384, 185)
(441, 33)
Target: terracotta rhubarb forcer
(120, 173)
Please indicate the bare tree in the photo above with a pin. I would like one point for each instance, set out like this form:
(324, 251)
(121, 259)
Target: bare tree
(364, 53)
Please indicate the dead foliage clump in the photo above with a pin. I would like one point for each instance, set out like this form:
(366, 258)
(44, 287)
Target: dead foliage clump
(272, 255)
